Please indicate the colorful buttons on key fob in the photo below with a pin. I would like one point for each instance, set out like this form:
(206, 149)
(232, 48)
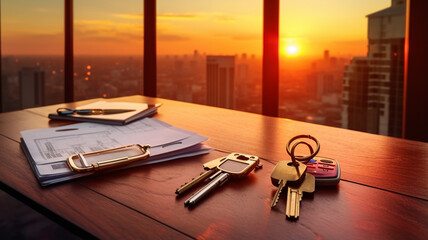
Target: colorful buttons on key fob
(325, 170)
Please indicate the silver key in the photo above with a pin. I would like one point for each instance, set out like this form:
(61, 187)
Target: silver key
(236, 165)
(217, 182)
(211, 171)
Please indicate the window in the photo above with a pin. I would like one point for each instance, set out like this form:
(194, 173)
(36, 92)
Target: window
(32, 51)
(229, 34)
(108, 48)
(328, 49)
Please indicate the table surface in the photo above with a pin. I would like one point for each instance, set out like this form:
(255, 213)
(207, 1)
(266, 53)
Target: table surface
(383, 192)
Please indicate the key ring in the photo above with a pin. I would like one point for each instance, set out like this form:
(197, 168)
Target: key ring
(303, 159)
(293, 157)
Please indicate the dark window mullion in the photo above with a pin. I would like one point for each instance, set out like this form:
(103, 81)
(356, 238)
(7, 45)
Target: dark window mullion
(1, 71)
(270, 58)
(415, 107)
(68, 52)
(150, 48)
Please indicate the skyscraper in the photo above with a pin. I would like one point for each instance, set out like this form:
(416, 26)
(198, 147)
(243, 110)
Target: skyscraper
(32, 87)
(220, 81)
(373, 85)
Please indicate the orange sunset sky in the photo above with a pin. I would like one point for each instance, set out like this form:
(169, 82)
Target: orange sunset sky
(209, 26)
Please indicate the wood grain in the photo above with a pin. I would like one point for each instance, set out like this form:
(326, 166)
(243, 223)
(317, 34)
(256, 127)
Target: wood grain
(74, 203)
(369, 159)
(241, 209)
(377, 197)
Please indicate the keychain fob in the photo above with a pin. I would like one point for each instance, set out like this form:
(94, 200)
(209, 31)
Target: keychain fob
(326, 171)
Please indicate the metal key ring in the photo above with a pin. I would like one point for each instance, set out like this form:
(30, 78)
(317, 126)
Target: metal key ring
(303, 159)
(293, 157)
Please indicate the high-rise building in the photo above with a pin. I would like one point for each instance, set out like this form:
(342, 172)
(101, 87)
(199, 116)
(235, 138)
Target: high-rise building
(32, 87)
(373, 85)
(220, 81)
(326, 54)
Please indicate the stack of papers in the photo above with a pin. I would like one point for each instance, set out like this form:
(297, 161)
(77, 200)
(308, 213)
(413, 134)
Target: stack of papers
(48, 149)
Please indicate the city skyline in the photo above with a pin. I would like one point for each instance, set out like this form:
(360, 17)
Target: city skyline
(310, 86)
(182, 78)
(117, 28)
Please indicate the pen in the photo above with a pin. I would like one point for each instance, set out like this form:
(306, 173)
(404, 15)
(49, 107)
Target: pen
(98, 111)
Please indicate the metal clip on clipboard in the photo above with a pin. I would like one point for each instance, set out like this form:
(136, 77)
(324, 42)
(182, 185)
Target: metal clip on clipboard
(108, 158)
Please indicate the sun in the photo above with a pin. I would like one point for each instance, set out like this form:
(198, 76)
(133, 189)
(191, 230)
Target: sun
(292, 50)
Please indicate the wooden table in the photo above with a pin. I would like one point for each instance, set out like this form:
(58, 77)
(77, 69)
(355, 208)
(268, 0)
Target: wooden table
(383, 192)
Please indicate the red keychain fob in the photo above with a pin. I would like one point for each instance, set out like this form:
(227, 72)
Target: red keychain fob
(326, 171)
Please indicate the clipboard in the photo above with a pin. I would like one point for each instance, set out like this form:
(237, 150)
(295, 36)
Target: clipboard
(108, 158)
(142, 110)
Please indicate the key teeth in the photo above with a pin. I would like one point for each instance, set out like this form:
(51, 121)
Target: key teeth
(276, 197)
(273, 204)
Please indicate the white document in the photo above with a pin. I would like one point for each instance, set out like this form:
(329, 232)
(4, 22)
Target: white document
(61, 167)
(50, 147)
(202, 150)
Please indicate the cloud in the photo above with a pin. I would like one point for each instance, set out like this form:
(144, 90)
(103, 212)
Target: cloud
(27, 43)
(129, 16)
(108, 31)
(44, 10)
(112, 36)
(134, 36)
(165, 16)
(93, 22)
(247, 37)
(225, 18)
(171, 16)
(186, 16)
(98, 39)
(171, 37)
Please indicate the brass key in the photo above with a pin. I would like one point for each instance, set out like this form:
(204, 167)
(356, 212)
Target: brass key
(210, 167)
(291, 172)
(283, 173)
(294, 175)
(294, 195)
